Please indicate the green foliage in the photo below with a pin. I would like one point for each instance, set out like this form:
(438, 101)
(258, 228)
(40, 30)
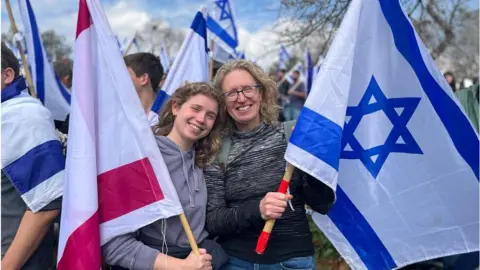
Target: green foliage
(324, 250)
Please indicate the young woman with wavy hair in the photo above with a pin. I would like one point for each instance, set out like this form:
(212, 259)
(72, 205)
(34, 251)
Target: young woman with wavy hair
(242, 190)
(189, 139)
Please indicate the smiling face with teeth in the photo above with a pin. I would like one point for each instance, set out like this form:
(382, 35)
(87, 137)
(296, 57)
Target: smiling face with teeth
(245, 111)
(194, 119)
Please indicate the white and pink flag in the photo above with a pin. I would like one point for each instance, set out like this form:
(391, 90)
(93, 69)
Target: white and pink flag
(116, 180)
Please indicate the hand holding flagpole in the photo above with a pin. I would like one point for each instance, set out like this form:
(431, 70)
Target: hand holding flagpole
(19, 46)
(267, 229)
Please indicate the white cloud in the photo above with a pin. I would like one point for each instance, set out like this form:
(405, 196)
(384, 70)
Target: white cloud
(126, 17)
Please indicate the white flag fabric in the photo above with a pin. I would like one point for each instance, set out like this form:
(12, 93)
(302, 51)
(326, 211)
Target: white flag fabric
(164, 58)
(220, 54)
(382, 128)
(191, 62)
(32, 156)
(116, 179)
(283, 57)
(221, 23)
(53, 94)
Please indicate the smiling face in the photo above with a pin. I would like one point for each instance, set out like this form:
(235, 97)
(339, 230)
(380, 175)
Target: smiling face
(194, 119)
(245, 111)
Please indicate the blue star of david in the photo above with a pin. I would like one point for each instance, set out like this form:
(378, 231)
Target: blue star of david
(226, 13)
(399, 121)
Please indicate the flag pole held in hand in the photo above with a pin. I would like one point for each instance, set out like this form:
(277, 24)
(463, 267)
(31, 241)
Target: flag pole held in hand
(28, 76)
(188, 231)
(267, 229)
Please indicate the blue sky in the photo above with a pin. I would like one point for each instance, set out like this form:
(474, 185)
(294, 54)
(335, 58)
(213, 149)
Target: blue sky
(254, 18)
(251, 15)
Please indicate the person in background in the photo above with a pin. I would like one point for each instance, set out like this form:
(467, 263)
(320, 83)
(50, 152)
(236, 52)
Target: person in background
(64, 70)
(283, 87)
(296, 95)
(242, 188)
(162, 81)
(450, 80)
(469, 98)
(27, 130)
(189, 139)
(146, 72)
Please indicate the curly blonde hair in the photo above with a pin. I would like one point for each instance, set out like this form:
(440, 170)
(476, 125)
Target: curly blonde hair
(269, 108)
(206, 148)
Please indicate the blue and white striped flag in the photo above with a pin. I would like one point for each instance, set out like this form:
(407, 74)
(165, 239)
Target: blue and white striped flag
(222, 23)
(164, 58)
(191, 62)
(53, 94)
(220, 54)
(283, 57)
(382, 128)
(32, 156)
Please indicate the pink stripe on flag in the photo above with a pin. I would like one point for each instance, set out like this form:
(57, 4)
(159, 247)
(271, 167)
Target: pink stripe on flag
(84, 20)
(126, 189)
(82, 250)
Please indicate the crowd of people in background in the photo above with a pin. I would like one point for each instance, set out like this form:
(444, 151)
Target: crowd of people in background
(256, 142)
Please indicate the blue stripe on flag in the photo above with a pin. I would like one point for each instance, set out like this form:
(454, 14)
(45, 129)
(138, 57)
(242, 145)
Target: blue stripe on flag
(458, 126)
(361, 236)
(40, 83)
(199, 26)
(63, 91)
(159, 100)
(318, 136)
(221, 33)
(37, 165)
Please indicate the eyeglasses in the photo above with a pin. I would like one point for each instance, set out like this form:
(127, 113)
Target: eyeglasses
(248, 91)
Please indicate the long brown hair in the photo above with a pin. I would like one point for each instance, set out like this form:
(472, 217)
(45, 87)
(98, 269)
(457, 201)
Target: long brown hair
(208, 147)
(269, 108)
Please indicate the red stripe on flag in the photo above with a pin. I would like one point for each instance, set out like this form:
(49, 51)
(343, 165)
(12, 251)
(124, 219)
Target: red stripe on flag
(127, 188)
(82, 250)
(84, 21)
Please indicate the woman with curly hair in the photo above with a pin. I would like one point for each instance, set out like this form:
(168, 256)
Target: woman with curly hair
(241, 188)
(189, 139)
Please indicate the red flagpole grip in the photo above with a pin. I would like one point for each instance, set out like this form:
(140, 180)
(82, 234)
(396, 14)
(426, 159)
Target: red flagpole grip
(267, 229)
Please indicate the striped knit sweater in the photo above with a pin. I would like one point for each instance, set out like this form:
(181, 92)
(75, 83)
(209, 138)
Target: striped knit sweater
(255, 166)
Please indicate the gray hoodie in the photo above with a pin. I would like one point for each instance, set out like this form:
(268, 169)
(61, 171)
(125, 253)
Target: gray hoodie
(126, 251)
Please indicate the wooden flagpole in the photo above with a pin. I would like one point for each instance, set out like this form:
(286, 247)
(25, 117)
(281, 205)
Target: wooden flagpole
(188, 231)
(267, 229)
(28, 76)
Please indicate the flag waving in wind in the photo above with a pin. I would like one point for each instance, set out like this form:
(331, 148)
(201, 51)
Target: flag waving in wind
(191, 62)
(382, 128)
(116, 179)
(309, 72)
(283, 57)
(53, 94)
(164, 58)
(223, 24)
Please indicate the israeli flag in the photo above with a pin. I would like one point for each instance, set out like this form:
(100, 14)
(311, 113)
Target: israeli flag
(382, 128)
(191, 62)
(51, 92)
(221, 54)
(283, 57)
(164, 58)
(222, 25)
(32, 156)
(309, 71)
(298, 67)
(15, 51)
